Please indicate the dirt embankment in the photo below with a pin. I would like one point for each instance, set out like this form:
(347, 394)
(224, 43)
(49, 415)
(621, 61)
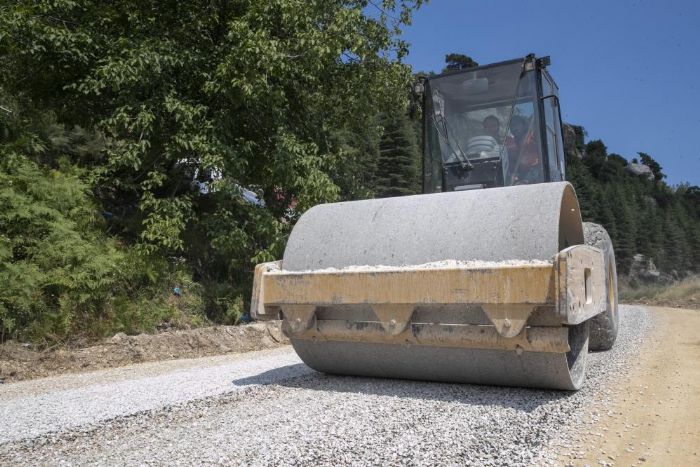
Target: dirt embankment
(682, 294)
(654, 417)
(662, 302)
(21, 361)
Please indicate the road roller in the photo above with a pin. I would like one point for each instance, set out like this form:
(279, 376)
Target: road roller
(487, 277)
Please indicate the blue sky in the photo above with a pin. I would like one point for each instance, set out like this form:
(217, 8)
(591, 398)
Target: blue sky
(628, 71)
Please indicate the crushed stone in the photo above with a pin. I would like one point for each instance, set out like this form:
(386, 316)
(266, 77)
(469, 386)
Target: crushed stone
(283, 413)
(446, 264)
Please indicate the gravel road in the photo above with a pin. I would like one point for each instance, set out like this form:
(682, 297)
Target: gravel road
(266, 407)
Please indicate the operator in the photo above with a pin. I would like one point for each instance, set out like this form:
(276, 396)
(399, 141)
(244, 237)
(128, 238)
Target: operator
(492, 127)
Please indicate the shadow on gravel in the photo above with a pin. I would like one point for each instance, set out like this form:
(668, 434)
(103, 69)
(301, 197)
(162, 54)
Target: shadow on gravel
(276, 375)
(300, 376)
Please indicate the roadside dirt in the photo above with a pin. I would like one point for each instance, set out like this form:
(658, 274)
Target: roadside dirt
(21, 361)
(653, 418)
(689, 303)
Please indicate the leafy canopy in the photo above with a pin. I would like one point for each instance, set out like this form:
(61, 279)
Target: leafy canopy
(191, 102)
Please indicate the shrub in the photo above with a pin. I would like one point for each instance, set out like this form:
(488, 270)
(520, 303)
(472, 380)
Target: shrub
(61, 274)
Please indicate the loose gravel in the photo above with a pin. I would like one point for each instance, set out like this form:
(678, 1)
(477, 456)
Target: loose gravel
(31, 409)
(445, 264)
(286, 414)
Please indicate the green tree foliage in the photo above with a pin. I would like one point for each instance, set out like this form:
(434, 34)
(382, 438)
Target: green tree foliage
(355, 164)
(579, 137)
(642, 216)
(653, 165)
(398, 165)
(186, 104)
(595, 158)
(456, 62)
(132, 134)
(60, 274)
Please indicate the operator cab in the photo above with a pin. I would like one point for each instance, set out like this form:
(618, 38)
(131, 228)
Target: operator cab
(495, 125)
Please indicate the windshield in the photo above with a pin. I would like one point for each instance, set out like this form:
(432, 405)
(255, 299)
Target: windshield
(482, 115)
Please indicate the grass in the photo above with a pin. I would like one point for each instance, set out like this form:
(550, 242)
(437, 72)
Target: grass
(684, 294)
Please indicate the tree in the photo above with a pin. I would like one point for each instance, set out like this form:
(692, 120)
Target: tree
(676, 245)
(595, 156)
(399, 159)
(456, 62)
(580, 135)
(581, 179)
(691, 194)
(625, 233)
(60, 274)
(653, 165)
(617, 160)
(245, 94)
(354, 171)
(641, 215)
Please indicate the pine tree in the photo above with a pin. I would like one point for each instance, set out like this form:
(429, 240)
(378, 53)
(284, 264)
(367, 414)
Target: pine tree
(595, 158)
(398, 171)
(456, 62)
(653, 165)
(695, 248)
(676, 248)
(579, 177)
(624, 239)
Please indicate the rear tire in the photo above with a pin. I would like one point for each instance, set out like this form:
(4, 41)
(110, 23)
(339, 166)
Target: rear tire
(603, 327)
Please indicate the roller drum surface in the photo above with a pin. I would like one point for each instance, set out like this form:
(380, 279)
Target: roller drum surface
(452, 365)
(498, 224)
(530, 222)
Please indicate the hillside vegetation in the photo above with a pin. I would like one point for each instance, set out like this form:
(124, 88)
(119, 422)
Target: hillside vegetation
(642, 213)
(683, 294)
(151, 153)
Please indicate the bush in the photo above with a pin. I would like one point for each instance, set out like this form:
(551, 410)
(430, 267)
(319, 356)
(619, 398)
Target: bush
(60, 274)
(684, 293)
